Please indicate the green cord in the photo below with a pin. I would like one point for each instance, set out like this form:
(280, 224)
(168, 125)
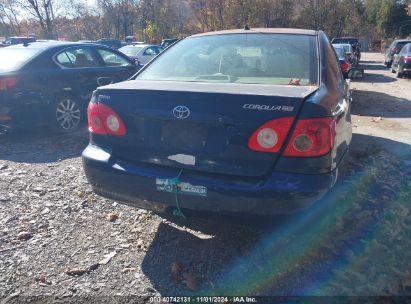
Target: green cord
(175, 181)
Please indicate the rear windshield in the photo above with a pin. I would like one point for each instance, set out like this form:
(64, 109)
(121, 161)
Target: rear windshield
(401, 44)
(347, 47)
(340, 52)
(11, 59)
(239, 58)
(131, 50)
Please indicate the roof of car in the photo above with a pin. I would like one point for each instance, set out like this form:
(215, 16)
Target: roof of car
(402, 40)
(261, 30)
(48, 44)
(140, 45)
(353, 38)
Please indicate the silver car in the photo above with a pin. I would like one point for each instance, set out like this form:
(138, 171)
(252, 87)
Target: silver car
(141, 53)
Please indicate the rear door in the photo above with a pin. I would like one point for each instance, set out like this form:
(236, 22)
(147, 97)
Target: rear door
(116, 66)
(81, 68)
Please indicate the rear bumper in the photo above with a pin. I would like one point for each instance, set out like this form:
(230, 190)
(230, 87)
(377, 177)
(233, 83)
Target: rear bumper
(407, 68)
(280, 193)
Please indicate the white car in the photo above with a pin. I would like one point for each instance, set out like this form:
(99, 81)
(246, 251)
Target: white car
(141, 53)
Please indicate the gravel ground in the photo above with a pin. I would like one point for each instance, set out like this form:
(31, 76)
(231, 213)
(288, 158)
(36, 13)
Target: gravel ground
(60, 241)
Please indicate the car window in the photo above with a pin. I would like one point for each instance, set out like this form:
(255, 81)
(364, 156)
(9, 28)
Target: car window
(252, 58)
(151, 51)
(401, 44)
(403, 50)
(131, 50)
(113, 59)
(66, 59)
(81, 57)
(340, 52)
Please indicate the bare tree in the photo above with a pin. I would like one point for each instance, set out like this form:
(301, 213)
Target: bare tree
(9, 15)
(43, 12)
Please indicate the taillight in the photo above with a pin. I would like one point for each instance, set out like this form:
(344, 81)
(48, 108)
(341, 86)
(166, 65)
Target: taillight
(104, 120)
(312, 137)
(270, 136)
(7, 83)
(345, 66)
(407, 58)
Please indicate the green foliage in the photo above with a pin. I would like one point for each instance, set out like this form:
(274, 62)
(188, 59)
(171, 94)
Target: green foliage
(389, 17)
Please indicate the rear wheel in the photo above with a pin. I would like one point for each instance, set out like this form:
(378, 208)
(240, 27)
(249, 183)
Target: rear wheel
(398, 74)
(66, 115)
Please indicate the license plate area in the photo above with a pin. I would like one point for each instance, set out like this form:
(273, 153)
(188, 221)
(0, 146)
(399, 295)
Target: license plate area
(168, 185)
(184, 135)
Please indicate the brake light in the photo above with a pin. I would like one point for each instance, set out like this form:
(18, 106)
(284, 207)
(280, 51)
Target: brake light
(7, 83)
(407, 58)
(270, 136)
(345, 66)
(104, 120)
(312, 137)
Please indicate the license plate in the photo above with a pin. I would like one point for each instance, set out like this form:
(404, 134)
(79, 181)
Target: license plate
(183, 188)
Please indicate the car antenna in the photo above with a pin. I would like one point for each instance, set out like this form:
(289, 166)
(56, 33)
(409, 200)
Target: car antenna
(246, 27)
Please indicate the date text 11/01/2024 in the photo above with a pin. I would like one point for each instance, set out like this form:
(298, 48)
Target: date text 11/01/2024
(203, 299)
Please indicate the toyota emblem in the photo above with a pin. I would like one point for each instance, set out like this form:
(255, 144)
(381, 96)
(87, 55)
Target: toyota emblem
(181, 112)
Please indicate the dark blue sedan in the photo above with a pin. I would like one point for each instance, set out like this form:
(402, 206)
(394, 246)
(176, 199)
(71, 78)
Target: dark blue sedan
(243, 121)
(50, 83)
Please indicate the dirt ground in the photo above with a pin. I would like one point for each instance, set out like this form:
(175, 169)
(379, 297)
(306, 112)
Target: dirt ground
(60, 241)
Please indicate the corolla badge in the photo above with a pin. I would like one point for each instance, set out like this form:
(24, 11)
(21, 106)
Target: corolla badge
(181, 112)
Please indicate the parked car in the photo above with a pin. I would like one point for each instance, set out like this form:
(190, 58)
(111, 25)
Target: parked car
(168, 41)
(356, 45)
(343, 59)
(401, 64)
(141, 53)
(112, 43)
(237, 121)
(352, 58)
(393, 49)
(50, 83)
(17, 40)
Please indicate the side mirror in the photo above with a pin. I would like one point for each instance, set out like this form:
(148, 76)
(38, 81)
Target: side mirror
(355, 73)
(102, 81)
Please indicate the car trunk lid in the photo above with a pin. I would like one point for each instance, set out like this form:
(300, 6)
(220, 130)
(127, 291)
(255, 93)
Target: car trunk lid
(200, 126)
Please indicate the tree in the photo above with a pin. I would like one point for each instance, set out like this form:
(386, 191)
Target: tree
(9, 16)
(44, 14)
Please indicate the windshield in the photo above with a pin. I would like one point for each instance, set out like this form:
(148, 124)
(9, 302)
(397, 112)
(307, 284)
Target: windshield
(12, 59)
(131, 50)
(239, 58)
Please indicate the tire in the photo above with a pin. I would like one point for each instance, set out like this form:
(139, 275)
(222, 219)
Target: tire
(66, 115)
(398, 74)
(392, 69)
